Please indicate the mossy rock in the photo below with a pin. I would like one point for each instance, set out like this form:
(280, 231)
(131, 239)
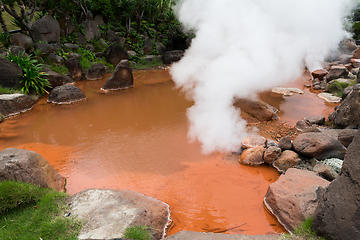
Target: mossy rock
(337, 86)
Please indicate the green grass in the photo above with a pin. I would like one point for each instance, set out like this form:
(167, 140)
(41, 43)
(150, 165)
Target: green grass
(303, 232)
(5, 90)
(32, 212)
(145, 65)
(59, 69)
(138, 233)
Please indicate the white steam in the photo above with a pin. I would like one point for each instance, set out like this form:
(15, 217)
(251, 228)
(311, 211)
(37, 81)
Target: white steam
(245, 46)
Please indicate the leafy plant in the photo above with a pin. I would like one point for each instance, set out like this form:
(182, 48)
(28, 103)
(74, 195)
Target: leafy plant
(4, 90)
(303, 231)
(138, 233)
(34, 81)
(5, 39)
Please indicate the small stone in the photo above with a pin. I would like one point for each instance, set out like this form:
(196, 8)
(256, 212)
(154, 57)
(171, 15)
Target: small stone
(253, 141)
(334, 163)
(252, 156)
(271, 154)
(287, 91)
(330, 98)
(287, 159)
(285, 143)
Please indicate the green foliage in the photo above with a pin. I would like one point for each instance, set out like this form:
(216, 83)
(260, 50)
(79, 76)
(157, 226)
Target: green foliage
(33, 212)
(102, 7)
(337, 87)
(34, 81)
(5, 90)
(303, 231)
(5, 39)
(138, 233)
(59, 69)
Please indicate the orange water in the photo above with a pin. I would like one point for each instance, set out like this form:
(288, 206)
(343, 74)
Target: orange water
(137, 139)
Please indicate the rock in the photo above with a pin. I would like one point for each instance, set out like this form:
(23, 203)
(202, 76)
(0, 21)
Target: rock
(253, 141)
(46, 29)
(351, 165)
(160, 48)
(346, 92)
(81, 40)
(318, 145)
(257, 109)
(328, 97)
(92, 30)
(75, 68)
(28, 166)
(89, 47)
(66, 24)
(71, 46)
(347, 46)
(149, 58)
(11, 73)
(318, 120)
(114, 54)
(187, 235)
(252, 156)
(348, 112)
(56, 58)
(287, 91)
(334, 163)
(66, 94)
(355, 62)
(286, 160)
(294, 196)
(285, 143)
(148, 46)
(346, 136)
(108, 212)
(55, 79)
(110, 36)
(121, 78)
(96, 71)
(319, 74)
(19, 39)
(337, 71)
(270, 143)
(18, 51)
(99, 20)
(302, 125)
(271, 154)
(13, 104)
(345, 59)
(337, 86)
(44, 48)
(172, 56)
(356, 54)
(325, 171)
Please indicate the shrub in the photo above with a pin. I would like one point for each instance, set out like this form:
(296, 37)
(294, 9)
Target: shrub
(303, 231)
(138, 233)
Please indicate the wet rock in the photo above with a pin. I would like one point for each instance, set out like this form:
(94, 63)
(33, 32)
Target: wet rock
(355, 62)
(347, 46)
(121, 78)
(96, 71)
(187, 235)
(286, 160)
(19, 39)
(345, 58)
(294, 196)
(172, 56)
(46, 29)
(285, 143)
(287, 91)
(11, 73)
(114, 54)
(325, 171)
(55, 79)
(346, 136)
(348, 112)
(328, 97)
(92, 30)
(66, 94)
(108, 212)
(75, 68)
(318, 145)
(252, 156)
(318, 120)
(336, 72)
(319, 74)
(257, 109)
(28, 166)
(13, 104)
(337, 86)
(271, 154)
(253, 141)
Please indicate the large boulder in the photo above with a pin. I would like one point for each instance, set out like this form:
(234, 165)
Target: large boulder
(92, 30)
(55, 79)
(286, 160)
(46, 29)
(294, 196)
(348, 112)
(96, 72)
(66, 94)
(66, 24)
(28, 166)
(187, 235)
(19, 39)
(121, 78)
(253, 141)
(252, 156)
(114, 54)
(75, 68)
(347, 46)
(11, 73)
(108, 212)
(337, 215)
(318, 145)
(346, 136)
(257, 109)
(172, 56)
(148, 46)
(337, 71)
(12, 104)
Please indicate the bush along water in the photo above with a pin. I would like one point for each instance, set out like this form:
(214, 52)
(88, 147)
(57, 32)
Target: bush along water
(34, 81)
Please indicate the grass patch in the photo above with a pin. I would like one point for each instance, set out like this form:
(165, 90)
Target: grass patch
(5, 90)
(141, 65)
(303, 232)
(59, 69)
(138, 233)
(32, 212)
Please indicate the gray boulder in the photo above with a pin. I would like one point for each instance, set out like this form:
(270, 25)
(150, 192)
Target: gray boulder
(160, 48)
(336, 72)
(108, 212)
(55, 79)
(318, 145)
(28, 166)
(96, 71)
(148, 46)
(19, 39)
(114, 54)
(66, 24)
(121, 78)
(11, 73)
(46, 29)
(348, 112)
(172, 56)
(66, 94)
(13, 104)
(75, 68)
(294, 196)
(92, 30)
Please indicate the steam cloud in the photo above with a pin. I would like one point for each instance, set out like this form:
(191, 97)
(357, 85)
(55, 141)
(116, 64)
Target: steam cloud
(246, 46)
